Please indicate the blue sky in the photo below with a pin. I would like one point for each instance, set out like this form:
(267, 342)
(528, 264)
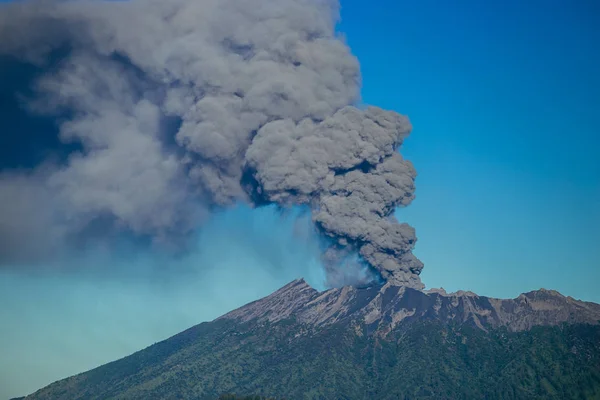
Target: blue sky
(504, 98)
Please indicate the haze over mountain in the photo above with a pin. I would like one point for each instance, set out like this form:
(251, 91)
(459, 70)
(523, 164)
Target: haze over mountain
(378, 342)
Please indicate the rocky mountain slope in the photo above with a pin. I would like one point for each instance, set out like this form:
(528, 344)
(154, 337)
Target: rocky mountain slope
(385, 342)
(383, 308)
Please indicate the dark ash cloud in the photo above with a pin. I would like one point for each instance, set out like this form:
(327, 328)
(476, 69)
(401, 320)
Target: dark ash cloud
(178, 108)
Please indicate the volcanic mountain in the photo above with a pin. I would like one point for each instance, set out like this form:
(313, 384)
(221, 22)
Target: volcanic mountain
(379, 342)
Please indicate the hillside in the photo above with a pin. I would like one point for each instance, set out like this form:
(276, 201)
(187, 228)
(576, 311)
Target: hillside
(374, 343)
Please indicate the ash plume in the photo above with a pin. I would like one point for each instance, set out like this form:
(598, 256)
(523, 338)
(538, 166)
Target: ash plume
(177, 108)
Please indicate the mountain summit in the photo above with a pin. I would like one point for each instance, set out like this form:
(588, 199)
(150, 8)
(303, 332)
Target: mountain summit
(383, 308)
(380, 342)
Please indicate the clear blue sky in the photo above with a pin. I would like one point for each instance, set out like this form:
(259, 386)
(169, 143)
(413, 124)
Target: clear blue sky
(505, 102)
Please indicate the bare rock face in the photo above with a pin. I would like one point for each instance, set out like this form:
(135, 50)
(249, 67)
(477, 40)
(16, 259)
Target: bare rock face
(384, 308)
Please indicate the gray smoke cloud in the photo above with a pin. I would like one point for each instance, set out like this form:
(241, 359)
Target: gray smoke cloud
(181, 107)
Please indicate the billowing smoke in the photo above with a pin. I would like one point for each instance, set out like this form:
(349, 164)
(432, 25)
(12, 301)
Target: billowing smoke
(172, 109)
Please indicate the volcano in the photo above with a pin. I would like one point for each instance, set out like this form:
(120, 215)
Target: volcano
(379, 342)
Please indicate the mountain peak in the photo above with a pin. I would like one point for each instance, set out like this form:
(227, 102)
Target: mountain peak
(544, 293)
(385, 307)
(279, 305)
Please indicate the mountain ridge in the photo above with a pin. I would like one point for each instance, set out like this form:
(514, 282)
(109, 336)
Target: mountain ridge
(378, 342)
(397, 303)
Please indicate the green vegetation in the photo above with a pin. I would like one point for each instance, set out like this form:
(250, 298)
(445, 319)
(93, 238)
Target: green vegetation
(234, 397)
(423, 360)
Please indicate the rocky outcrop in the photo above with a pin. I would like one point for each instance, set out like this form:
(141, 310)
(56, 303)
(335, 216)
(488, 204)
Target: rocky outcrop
(383, 308)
